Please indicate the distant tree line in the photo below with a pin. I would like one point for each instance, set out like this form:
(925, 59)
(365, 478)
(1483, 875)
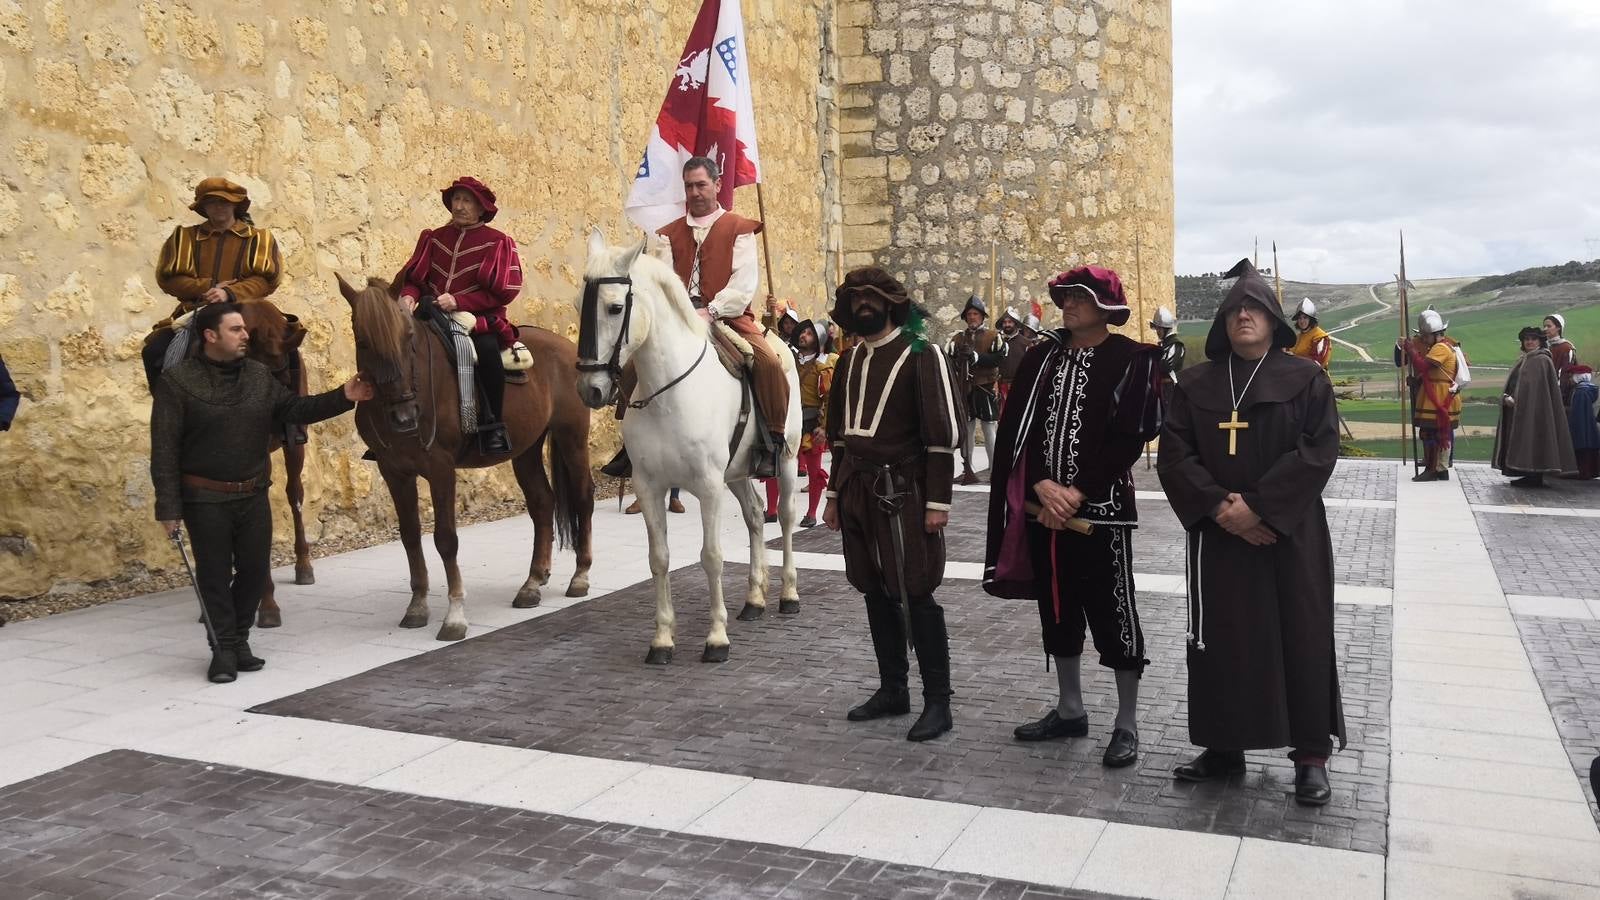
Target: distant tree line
(1565, 273)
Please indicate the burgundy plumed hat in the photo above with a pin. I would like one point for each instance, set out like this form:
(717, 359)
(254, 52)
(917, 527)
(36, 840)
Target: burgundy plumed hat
(1101, 284)
(478, 189)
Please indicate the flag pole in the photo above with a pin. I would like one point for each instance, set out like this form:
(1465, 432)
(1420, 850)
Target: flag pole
(994, 260)
(1405, 324)
(1138, 291)
(1277, 277)
(766, 255)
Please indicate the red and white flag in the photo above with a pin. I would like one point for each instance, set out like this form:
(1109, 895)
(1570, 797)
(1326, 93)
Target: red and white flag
(708, 112)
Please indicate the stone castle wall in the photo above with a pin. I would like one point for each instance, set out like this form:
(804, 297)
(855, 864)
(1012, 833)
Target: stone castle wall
(1041, 126)
(343, 118)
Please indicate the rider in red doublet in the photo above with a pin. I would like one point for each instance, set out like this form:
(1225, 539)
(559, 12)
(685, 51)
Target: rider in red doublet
(468, 266)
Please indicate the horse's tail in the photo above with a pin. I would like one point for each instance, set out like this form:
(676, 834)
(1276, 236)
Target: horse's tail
(573, 486)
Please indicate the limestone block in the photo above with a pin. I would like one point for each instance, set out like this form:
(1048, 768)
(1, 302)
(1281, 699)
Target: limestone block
(942, 65)
(59, 211)
(866, 237)
(899, 168)
(860, 69)
(249, 47)
(15, 27)
(110, 172)
(865, 168)
(912, 39)
(924, 138)
(180, 111)
(855, 13)
(899, 69)
(861, 214)
(10, 211)
(974, 48)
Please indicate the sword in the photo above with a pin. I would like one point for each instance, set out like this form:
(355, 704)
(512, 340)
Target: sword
(177, 538)
(892, 502)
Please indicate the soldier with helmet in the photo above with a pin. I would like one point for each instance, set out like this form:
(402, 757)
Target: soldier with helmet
(1165, 326)
(1312, 342)
(1433, 363)
(976, 355)
(1018, 340)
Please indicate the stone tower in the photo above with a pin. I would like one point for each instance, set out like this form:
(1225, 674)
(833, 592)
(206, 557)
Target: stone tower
(1040, 128)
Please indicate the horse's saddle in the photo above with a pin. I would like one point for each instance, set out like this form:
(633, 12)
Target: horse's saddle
(733, 351)
(515, 358)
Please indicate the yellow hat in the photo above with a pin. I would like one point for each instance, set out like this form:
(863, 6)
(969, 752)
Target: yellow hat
(220, 187)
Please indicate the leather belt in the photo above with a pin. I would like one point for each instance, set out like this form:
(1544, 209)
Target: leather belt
(222, 487)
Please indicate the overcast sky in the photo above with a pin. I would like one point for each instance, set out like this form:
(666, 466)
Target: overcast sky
(1329, 125)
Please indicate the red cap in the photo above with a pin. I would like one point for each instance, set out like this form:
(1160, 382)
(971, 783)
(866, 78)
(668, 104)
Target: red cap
(1102, 284)
(478, 189)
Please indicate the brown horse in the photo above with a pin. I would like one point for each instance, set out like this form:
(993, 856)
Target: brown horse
(414, 428)
(273, 340)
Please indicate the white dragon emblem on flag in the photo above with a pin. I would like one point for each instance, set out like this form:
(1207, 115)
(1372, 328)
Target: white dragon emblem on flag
(691, 72)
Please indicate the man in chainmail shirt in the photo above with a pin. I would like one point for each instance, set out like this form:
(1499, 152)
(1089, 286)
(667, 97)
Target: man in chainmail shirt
(209, 429)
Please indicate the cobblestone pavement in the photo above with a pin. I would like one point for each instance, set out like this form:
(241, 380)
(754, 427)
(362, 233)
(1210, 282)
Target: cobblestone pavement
(1566, 660)
(1485, 486)
(1553, 556)
(1363, 539)
(130, 825)
(571, 682)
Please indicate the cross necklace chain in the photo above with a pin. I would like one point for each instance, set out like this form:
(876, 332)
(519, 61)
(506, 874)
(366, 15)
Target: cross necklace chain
(1233, 426)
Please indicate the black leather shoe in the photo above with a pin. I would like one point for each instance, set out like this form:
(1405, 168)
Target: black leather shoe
(1211, 764)
(770, 518)
(619, 466)
(492, 439)
(808, 522)
(883, 702)
(934, 721)
(224, 666)
(247, 661)
(1052, 726)
(1123, 750)
(765, 462)
(1444, 474)
(1425, 476)
(1311, 786)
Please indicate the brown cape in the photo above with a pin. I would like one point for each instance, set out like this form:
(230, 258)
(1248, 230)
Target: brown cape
(1532, 436)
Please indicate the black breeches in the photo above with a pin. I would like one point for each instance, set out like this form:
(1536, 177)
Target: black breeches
(232, 543)
(154, 354)
(1088, 580)
(491, 373)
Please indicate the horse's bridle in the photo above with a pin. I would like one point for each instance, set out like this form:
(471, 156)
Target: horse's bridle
(591, 323)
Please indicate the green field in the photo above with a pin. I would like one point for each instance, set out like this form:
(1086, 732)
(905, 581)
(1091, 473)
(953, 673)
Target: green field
(1388, 410)
(1468, 449)
(1488, 334)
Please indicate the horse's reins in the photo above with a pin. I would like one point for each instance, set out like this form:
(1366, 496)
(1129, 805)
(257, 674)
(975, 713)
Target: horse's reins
(587, 347)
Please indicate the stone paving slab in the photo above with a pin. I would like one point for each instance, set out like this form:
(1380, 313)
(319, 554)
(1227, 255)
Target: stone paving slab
(1363, 539)
(130, 825)
(1485, 486)
(574, 682)
(1551, 556)
(1566, 659)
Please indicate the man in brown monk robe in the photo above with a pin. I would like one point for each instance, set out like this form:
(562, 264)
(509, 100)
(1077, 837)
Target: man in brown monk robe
(894, 420)
(1251, 438)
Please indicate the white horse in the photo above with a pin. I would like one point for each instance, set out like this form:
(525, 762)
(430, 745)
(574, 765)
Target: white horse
(635, 309)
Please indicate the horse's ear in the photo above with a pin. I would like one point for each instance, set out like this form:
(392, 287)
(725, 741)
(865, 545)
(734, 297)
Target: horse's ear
(597, 243)
(625, 263)
(350, 293)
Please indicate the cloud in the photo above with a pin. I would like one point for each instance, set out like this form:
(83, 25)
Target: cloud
(1474, 125)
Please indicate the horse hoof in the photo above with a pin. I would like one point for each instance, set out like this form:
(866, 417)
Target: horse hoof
(268, 618)
(544, 578)
(578, 588)
(305, 576)
(449, 632)
(751, 613)
(526, 599)
(414, 621)
(789, 607)
(658, 656)
(715, 654)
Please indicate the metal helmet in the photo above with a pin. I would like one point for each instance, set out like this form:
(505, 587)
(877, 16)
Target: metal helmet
(1307, 309)
(1430, 322)
(975, 302)
(1033, 324)
(790, 313)
(1011, 314)
(1164, 319)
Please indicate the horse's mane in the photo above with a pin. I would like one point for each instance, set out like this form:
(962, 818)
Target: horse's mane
(377, 319)
(661, 276)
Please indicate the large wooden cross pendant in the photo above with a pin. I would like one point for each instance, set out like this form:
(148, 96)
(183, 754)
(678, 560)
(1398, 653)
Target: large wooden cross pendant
(1232, 427)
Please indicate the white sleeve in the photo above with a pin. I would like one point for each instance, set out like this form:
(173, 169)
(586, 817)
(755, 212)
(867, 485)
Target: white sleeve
(734, 299)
